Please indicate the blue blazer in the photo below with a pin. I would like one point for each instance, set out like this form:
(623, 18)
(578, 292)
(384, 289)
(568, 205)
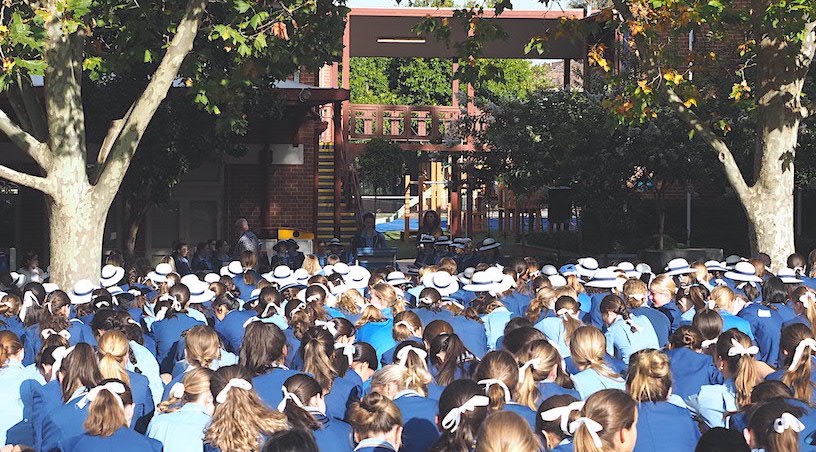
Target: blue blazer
(589, 381)
(665, 427)
(32, 339)
(798, 319)
(334, 435)
(691, 371)
(232, 328)
(388, 355)
(472, 333)
(13, 324)
(594, 317)
(344, 392)
(143, 401)
(418, 421)
(43, 399)
(622, 342)
(167, 333)
(766, 324)
(673, 313)
(522, 410)
(122, 440)
(269, 386)
(64, 421)
(732, 321)
(659, 321)
(517, 303)
(17, 386)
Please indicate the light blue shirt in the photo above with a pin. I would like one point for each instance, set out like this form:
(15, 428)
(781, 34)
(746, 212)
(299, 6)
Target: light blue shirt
(554, 329)
(589, 381)
(494, 324)
(16, 400)
(622, 342)
(198, 315)
(182, 430)
(149, 367)
(713, 402)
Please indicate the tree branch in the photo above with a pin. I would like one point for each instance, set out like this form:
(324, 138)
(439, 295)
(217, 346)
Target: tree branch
(37, 183)
(38, 151)
(33, 107)
(125, 139)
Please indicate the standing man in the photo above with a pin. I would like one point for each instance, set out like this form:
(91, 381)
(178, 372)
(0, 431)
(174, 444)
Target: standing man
(247, 242)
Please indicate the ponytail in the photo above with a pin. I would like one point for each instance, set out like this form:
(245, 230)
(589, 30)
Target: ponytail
(113, 349)
(610, 409)
(406, 325)
(775, 425)
(413, 358)
(613, 303)
(735, 349)
(106, 413)
(300, 388)
(317, 348)
(567, 308)
(798, 341)
(374, 414)
(499, 373)
(536, 361)
(649, 376)
(195, 383)
(588, 349)
(370, 314)
(456, 354)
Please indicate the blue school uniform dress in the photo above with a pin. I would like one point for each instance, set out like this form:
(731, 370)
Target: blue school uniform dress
(659, 321)
(672, 311)
(766, 324)
(181, 430)
(464, 297)
(781, 372)
(617, 366)
(232, 328)
(17, 386)
(564, 446)
(494, 324)
(32, 339)
(665, 427)
(375, 445)
(333, 435)
(64, 421)
(713, 403)
(589, 381)
(594, 318)
(622, 342)
(732, 321)
(269, 386)
(691, 371)
(378, 335)
(784, 311)
(147, 365)
(245, 289)
(584, 302)
(554, 329)
(167, 333)
(344, 392)
(517, 303)
(418, 421)
(13, 324)
(122, 440)
(547, 389)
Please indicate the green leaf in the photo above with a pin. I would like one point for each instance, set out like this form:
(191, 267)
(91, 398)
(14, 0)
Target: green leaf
(242, 6)
(34, 67)
(244, 50)
(148, 56)
(260, 41)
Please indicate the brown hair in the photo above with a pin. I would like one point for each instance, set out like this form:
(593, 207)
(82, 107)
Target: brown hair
(722, 296)
(196, 382)
(10, 345)
(545, 358)
(570, 323)
(51, 317)
(262, 349)
(304, 388)
(375, 413)
(588, 348)
(498, 365)
(742, 367)
(248, 262)
(797, 378)
(79, 369)
(10, 305)
(505, 431)
(810, 308)
(649, 376)
(105, 415)
(113, 349)
(201, 346)
(349, 301)
(316, 349)
(614, 410)
(551, 430)
(242, 419)
(688, 336)
(614, 304)
(385, 293)
(406, 325)
(761, 421)
(634, 293)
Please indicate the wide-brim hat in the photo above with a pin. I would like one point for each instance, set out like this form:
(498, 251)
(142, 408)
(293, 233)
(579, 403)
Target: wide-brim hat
(225, 271)
(293, 243)
(732, 260)
(678, 266)
(357, 277)
(301, 275)
(426, 239)
(111, 275)
(211, 278)
(489, 244)
(397, 279)
(715, 266)
(82, 292)
(335, 242)
(281, 275)
(605, 279)
(16, 278)
(788, 276)
(480, 282)
(444, 282)
(466, 275)
(549, 270)
(200, 292)
(506, 283)
(189, 280)
(587, 266)
(568, 270)
(443, 240)
(235, 268)
(743, 271)
(341, 269)
(557, 281)
(292, 285)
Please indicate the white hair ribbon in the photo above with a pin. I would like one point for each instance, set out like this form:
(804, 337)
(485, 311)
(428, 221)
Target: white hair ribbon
(708, 343)
(113, 387)
(348, 350)
(451, 301)
(161, 314)
(531, 363)
(131, 321)
(312, 298)
(29, 300)
(59, 354)
(807, 298)
(99, 304)
(591, 426)
(638, 296)
(135, 292)
(425, 300)
(787, 421)
(300, 306)
(566, 312)
(176, 304)
(328, 326)
(711, 304)
(402, 355)
(287, 396)
(48, 305)
(800, 349)
(488, 382)
(451, 420)
(407, 325)
(46, 333)
(563, 413)
(739, 349)
(177, 391)
(250, 320)
(746, 283)
(239, 383)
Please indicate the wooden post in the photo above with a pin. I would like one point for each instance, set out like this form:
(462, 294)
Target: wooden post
(407, 209)
(455, 211)
(567, 63)
(338, 169)
(420, 191)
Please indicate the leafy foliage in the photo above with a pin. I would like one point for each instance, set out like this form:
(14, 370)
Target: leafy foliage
(381, 165)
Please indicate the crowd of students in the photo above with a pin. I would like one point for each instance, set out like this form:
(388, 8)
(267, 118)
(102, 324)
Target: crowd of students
(713, 356)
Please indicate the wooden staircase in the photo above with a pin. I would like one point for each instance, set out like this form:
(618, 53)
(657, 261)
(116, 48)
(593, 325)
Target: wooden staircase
(350, 198)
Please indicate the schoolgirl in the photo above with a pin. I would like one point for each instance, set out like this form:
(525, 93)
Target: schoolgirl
(635, 295)
(691, 299)
(587, 350)
(506, 432)
(113, 351)
(734, 358)
(33, 301)
(356, 362)
(728, 305)
(608, 421)
(109, 412)
(18, 384)
(506, 292)
(766, 323)
(10, 306)
(494, 316)
(541, 374)
(240, 421)
(775, 296)
(398, 383)
(559, 329)
(183, 417)
(499, 373)
(449, 359)
(690, 368)
(804, 306)
(798, 350)
(710, 324)
(377, 424)
(262, 356)
(202, 348)
(377, 320)
(54, 320)
(519, 332)
(171, 321)
(229, 321)
(625, 333)
(649, 382)
(269, 307)
(247, 279)
(317, 349)
(662, 291)
(543, 305)
(300, 316)
(321, 298)
(407, 327)
(774, 426)
(553, 419)
(350, 305)
(312, 265)
(462, 409)
(305, 408)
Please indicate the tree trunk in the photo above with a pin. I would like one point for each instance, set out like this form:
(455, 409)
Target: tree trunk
(131, 233)
(770, 221)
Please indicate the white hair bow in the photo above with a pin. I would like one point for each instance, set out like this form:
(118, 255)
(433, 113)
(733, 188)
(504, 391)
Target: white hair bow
(566, 312)
(161, 314)
(800, 349)
(177, 391)
(425, 300)
(402, 355)
(59, 354)
(250, 320)
(328, 326)
(746, 283)
(591, 426)
(287, 396)
(29, 300)
(348, 350)
(312, 298)
(488, 382)
(531, 363)
(451, 420)
(451, 301)
(113, 387)
(711, 304)
(46, 333)
(638, 296)
(807, 298)
(133, 322)
(563, 413)
(408, 326)
(176, 305)
(708, 343)
(787, 421)
(239, 383)
(299, 307)
(739, 349)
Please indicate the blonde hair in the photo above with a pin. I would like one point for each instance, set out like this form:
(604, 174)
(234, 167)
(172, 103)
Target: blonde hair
(588, 348)
(649, 376)
(810, 308)
(202, 346)
(10, 305)
(722, 296)
(701, 273)
(393, 373)
(742, 367)
(416, 376)
(543, 302)
(113, 350)
(196, 382)
(448, 265)
(634, 293)
(574, 282)
(350, 301)
(311, 264)
(614, 410)
(505, 431)
(406, 324)
(385, 293)
(375, 413)
(663, 284)
(498, 365)
(105, 414)
(545, 358)
(426, 270)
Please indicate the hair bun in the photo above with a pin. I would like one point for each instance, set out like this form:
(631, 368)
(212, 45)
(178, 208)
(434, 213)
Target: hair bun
(658, 366)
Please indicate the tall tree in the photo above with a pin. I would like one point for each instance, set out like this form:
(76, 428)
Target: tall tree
(243, 43)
